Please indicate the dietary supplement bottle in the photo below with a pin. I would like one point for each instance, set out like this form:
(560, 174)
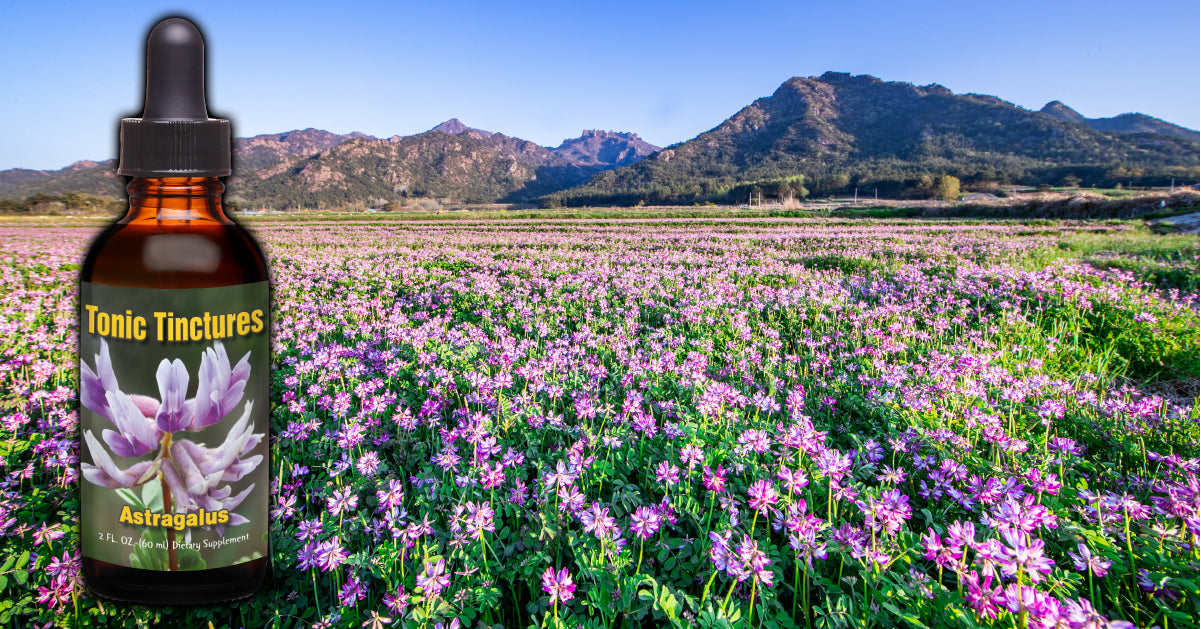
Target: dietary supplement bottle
(174, 333)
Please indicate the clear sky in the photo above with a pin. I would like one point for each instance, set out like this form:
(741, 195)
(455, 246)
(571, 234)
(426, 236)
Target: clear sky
(544, 71)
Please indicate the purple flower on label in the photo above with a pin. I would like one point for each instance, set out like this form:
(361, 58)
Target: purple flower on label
(220, 387)
(93, 385)
(173, 388)
(135, 434)
(106, 473)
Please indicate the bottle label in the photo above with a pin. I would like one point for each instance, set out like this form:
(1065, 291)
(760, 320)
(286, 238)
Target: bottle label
(174, 413)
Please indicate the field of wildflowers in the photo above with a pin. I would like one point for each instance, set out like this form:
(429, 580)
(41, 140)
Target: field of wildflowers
(756, 423)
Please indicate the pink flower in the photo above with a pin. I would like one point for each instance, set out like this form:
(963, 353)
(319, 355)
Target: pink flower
(762, 495)
(559, 585)
(1086, 560)
(644, 522)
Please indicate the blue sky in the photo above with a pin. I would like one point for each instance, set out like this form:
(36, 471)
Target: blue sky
(544, 71)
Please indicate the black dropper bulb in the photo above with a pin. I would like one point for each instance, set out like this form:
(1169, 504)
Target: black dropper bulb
(175, 72)
(175, 137)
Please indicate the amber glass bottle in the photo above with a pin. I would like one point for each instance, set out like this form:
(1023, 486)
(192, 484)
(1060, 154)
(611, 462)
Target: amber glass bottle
(174, 360)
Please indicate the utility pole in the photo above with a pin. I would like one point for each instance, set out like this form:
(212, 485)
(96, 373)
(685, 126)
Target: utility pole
(856, 195)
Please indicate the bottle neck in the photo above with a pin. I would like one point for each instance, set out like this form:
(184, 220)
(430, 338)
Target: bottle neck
(155, 199)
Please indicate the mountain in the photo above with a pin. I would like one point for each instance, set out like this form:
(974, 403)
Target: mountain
(605, 148)
(840, 132)
(454, 127)
(254, 156)
(1125, 123)
(452, 162)
(314, 168)
(262, 151)
(97, 178)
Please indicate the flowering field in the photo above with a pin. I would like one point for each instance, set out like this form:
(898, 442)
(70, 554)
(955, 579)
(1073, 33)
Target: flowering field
(761, 423)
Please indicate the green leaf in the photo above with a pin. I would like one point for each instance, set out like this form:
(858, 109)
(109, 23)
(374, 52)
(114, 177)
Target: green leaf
(22, 560)
(152, 496)
(131, 499)
(190, 559)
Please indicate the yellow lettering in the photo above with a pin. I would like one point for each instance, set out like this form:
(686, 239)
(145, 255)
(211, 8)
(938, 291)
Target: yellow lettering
(197, 328)
(223, 516)
(119, 326)
(139, 328)
(208, 335)
(126, 515)
(181, 329)
(91, 317)
(139, 519)
(243, 323)
(257, 316)
(180, 521)
(230, 320)
(102, 324)
(158, 320)
(192, 520)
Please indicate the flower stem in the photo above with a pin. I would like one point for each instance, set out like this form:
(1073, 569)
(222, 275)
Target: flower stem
(172, 554)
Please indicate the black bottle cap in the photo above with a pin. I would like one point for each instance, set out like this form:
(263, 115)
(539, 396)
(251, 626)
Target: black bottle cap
(175, 137)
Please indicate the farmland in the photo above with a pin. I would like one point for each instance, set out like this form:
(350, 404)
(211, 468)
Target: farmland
(715, 423)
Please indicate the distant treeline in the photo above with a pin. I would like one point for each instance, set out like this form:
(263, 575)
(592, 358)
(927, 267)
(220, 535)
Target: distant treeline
(42, 204)
(895, 181)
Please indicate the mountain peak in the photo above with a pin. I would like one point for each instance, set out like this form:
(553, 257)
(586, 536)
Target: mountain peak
(455, 127)
(1063, 112)
(596, 147)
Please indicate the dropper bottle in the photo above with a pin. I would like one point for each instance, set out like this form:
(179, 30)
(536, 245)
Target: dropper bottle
(174, 338)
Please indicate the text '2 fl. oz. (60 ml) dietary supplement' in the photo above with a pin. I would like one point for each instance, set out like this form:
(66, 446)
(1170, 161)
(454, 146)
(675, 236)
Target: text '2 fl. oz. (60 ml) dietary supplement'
(174, 382)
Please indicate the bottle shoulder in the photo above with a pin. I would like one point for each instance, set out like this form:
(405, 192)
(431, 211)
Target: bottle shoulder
(174, 255)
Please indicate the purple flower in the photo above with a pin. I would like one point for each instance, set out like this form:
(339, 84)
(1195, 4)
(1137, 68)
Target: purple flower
(106, 473)
(492, 477)
(942, 554)
(173, 390)
(754, 561)
(762, 495)
(195, 472)
(330, 554)
(343, 500)
(1023, 556)
(597, 521)
(984, 599)
(715, 480)
(644, 522)
(393, 497)
(219, 388)
(434, 579)
(793, 481)
(667, 473)
(558, 585)
(368, 464)
(1086, 560)
(94, 385)
(136, 434)
(352, 592)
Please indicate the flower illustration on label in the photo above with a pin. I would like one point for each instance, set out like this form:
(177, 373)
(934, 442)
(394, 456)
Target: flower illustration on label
(195, 479)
